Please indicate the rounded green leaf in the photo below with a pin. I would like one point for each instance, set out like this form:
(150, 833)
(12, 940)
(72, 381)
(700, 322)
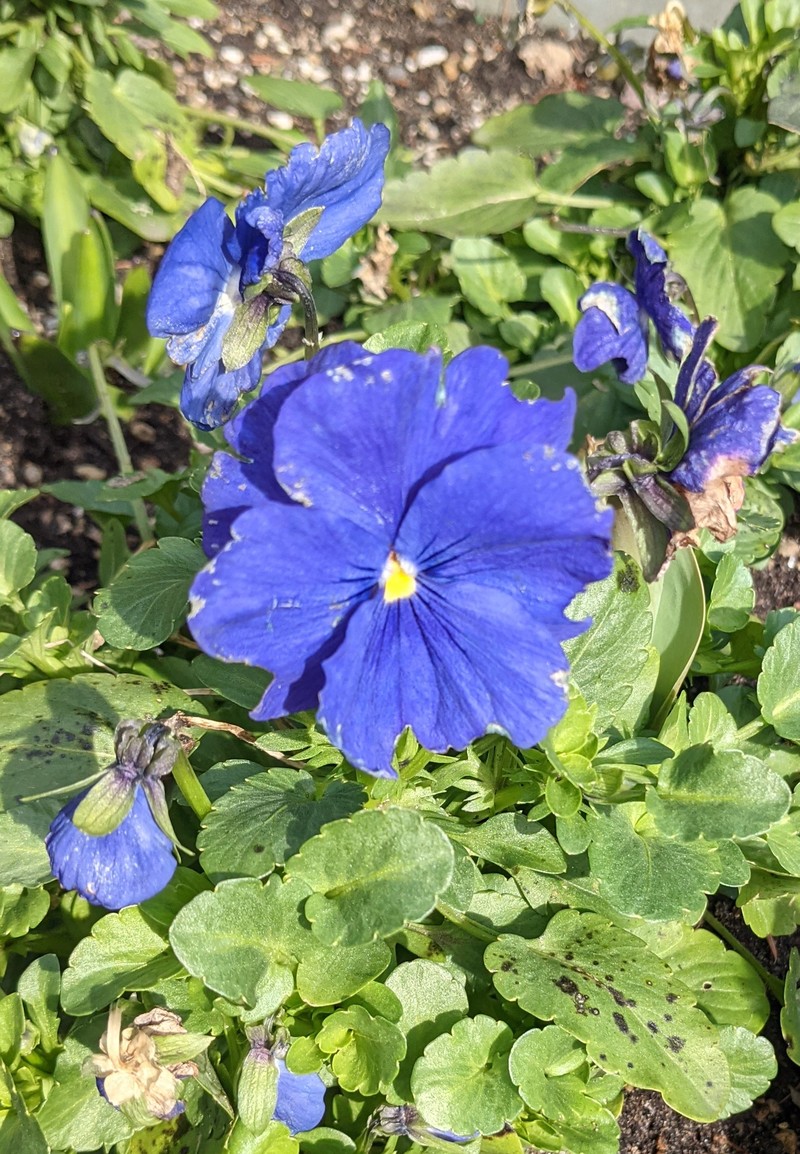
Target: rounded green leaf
(511, 840)
(605, 987)
(17, 558)
(261, 822)
(717, 795)
(371, 873)
(433, 1000)
(367, 1050)
(462, 1082)
(752, 1064)
(779, 683)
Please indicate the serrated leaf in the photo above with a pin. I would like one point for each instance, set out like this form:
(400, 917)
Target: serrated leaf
(148, 599)
(474, 192)
(643, 873)
(732, 260)
(606, 661)
(260, 823)
(636, 1019)
(462, 1082)
(366, 1050)
(432, 1000)
(717, 795)
(779, 683)
(58, 732)
(371, 873)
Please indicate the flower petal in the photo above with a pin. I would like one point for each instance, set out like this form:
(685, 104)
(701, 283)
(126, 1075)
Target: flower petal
(610, 329)
(195, 269)
(275, 594)
(301, 1099)
(673, 326)
(121, 868)
(209, 397)
(344, 178)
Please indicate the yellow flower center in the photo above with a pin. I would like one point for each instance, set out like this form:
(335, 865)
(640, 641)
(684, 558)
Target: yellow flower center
(398, 579)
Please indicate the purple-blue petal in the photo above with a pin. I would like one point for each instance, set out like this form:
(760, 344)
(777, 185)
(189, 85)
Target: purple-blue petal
(132, 863)
(697, 379)
(344, 178)
(259, 231)
(673, 326)
(301, 1099)
(209, 397)
(611, 329)
(194, 271)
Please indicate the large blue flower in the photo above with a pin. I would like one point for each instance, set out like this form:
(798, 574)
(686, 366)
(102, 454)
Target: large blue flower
(615, 322)
(733, 425)
(135, 859)
(398, 546)
(214, 267)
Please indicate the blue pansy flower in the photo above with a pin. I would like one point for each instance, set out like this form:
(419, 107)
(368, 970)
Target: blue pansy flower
(300, 1100)
(733, 425)
(110, 843)
(216, 270)
(615, 322)
(397, 543)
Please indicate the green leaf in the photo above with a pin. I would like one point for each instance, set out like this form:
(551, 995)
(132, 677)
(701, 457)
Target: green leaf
(727, 988)
(605, 987)
(779, 683)
(89, 307)
(544, 1065)
(16, 65)
(553, 124)
(433, 1000)
(366, 1051)
(39, 986)
(790, 1012)
(240, 684)
(23, 857)
(12, 311)
(17, 558)
(732, 260)
(57, 733)
(752, 1065)
(732, 596)
(257, 1093)
(65, 215)
(474, 192)
(417, 336)
(644, 874)
(371, 873)
(488, 275)
(148, 599)
(462, 1082)
(607, 660)
(124, 951)
(260, 823)
(221, 937)
(786, 223)
(21, 909)
(18, 1130)
(770, 903)
(511, 840)
(716, 795)
(12, 1027)
(679, 609)
(296, 97)
(51, 374)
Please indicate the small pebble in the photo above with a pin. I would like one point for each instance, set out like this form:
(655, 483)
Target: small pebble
(230, 54)
(431, 56)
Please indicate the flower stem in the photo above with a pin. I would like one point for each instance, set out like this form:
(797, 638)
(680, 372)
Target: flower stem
(618, 57)
(773, 984)
(465, 923)
(118, 440)
(188, 783)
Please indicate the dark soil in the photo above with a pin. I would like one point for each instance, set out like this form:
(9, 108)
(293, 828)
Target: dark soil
(481, 70)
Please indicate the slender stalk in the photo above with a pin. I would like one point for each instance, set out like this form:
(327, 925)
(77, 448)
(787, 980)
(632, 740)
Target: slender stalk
(239, 124)
(464, 923)
(187, 782)
(618, 57)
(773, 984)
(118, 440)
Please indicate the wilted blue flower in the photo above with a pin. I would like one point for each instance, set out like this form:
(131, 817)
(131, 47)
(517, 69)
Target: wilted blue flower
(109, 843)
(406, 1122)
(733, 426)
(215, 271)
(615, 322)
(399, 546)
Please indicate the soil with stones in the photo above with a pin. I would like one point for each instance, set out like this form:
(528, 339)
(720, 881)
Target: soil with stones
(445, 72)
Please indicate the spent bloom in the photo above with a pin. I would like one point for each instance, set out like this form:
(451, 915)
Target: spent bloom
(405, 1121)
(221, 294)
(129, 1069)
(112, 843)
(397, 542)
(615, 322)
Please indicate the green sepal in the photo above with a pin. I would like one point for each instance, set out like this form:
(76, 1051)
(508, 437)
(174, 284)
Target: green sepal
(651, 536)
(257, 1094)
(157, 801)
(106, 805)
(247, 332)
(299, 229)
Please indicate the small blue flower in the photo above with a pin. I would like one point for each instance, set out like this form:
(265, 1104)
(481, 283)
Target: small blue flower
(397, 543)
(306, 210)
(615, 322)
(733, 425)
(301, 1099)
(134, 860)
